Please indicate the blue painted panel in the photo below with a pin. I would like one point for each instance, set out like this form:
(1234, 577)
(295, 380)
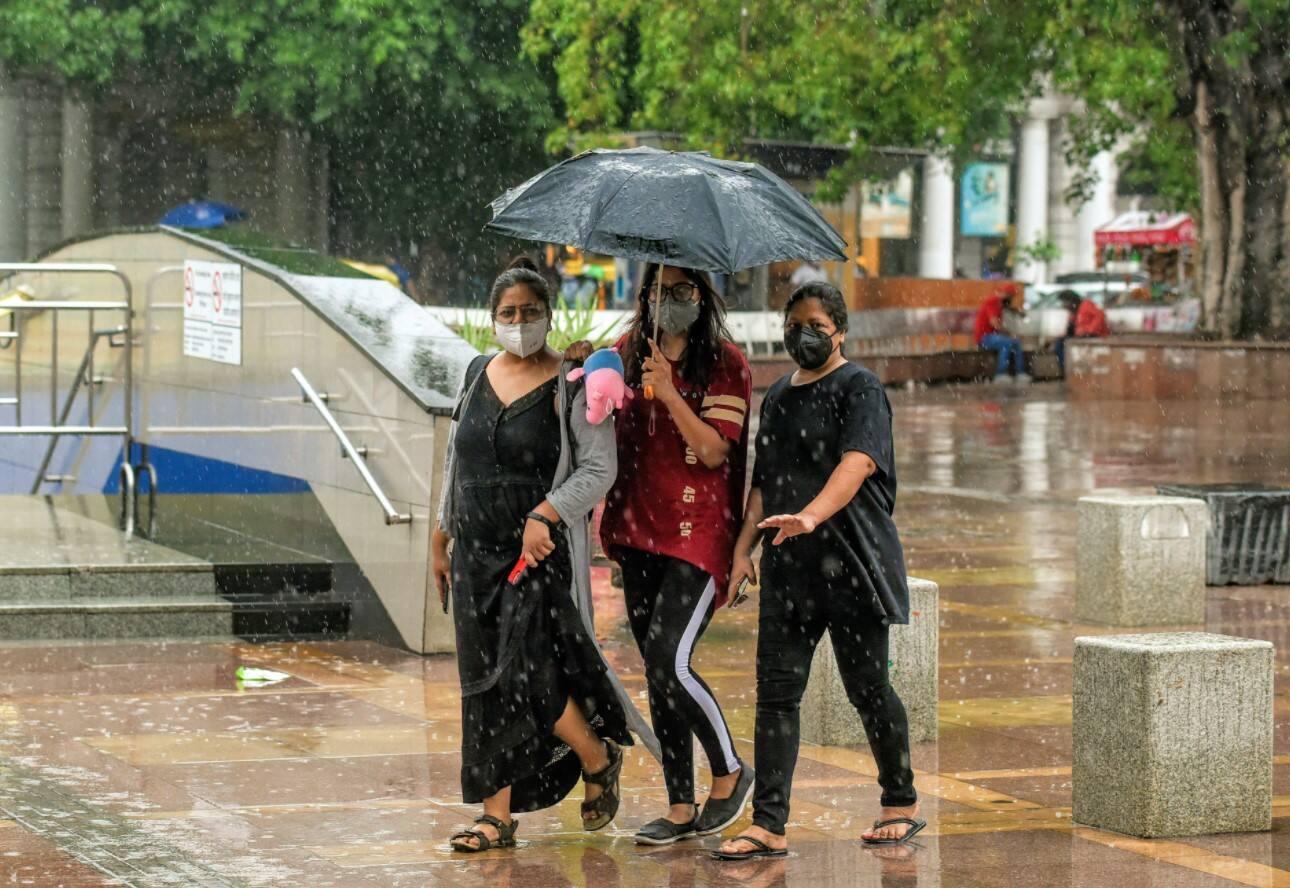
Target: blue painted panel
(179, 472)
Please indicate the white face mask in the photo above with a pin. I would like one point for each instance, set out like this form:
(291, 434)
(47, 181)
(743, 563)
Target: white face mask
(523, 340)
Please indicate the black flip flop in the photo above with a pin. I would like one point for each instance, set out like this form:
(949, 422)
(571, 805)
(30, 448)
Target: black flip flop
(760, 849)
(915, 827)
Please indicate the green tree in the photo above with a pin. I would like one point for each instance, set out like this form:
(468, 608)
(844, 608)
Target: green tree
(1195, 91)
(429, 107)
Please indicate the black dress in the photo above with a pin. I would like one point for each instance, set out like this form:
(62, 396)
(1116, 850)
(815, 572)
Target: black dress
(522, 651)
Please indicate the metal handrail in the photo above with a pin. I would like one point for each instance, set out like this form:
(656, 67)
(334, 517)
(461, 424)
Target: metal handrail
(69, 305)
(84, 374)
(392, 515)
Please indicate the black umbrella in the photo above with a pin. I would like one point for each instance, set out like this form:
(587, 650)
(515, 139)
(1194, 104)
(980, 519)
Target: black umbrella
(677, 208)
(680, 208)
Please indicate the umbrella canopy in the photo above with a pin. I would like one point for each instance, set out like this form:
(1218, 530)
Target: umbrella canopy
(202, 214)
(668, 207)
(1142, 228)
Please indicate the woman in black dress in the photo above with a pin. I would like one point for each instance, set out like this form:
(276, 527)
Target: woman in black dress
(524, 470)
(826, 477)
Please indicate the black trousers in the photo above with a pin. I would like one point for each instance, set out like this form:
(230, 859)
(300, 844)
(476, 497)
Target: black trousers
(792, 619)
(669, 604)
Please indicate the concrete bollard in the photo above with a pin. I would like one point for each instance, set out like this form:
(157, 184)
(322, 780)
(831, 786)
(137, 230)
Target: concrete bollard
(1172, 734)
(1140, 560)
(827, 716)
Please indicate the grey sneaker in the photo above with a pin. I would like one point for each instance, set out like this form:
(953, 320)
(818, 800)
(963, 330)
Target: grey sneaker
(718, 814)
(1003, 379)
(665, 832)
(1023, 379)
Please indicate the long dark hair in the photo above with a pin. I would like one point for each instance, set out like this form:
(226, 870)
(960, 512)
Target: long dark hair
(707, 335)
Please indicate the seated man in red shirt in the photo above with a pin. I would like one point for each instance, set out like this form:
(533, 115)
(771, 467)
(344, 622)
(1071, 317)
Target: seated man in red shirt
(991, 332)
(1086, 321)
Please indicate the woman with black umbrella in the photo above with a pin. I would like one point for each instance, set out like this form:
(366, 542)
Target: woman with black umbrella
(670, 522)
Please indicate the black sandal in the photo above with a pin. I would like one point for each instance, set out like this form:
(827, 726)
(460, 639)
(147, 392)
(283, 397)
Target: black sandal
(759, 850)
(505, 836)
(603, 807)
(915, 827)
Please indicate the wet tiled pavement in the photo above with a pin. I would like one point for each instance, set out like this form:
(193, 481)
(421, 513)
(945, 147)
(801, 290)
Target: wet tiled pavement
(145, 762)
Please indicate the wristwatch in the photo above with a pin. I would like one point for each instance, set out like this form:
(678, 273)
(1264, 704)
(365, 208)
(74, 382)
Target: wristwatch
(538, 516)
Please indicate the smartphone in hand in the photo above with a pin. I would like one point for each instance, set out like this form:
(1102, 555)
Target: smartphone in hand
(741, 593)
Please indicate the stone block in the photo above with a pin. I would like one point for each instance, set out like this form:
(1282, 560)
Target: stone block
(827, 716)
(1140, 560)
(1172, 734)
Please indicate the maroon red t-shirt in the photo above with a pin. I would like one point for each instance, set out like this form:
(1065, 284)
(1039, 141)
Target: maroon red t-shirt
(665, 500)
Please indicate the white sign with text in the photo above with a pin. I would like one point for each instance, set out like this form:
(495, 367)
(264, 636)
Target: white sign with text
(213, 311)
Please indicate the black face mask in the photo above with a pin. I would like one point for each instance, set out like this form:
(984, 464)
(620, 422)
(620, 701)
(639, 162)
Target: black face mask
(809, 347)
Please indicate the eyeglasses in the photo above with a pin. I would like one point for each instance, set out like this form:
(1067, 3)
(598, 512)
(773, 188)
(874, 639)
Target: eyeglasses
(682, 292)
(528, 313)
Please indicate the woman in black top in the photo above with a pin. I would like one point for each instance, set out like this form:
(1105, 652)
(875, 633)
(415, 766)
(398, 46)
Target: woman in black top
(539, 707)
(826, 478)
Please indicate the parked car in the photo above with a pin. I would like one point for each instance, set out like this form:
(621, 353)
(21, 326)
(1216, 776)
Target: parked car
(1104, 288)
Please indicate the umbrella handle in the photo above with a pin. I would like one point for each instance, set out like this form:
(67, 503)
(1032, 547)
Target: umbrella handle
(658, 298)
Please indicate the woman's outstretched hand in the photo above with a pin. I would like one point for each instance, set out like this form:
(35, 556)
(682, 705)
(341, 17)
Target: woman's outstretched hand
(579, 351)
(789, 526)
(537, 542)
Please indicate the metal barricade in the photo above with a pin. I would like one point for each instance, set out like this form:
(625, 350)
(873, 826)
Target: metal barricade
(57, 428)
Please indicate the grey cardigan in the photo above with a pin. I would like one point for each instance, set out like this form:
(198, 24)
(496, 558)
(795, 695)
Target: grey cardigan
(586, 470)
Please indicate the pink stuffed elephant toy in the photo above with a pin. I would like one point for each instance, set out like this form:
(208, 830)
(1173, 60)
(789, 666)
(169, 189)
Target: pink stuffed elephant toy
(607, 390)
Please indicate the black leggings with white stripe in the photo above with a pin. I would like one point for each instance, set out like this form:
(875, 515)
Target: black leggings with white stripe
(669, 604)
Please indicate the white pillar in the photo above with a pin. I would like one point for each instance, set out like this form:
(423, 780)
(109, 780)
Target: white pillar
(936, 225)
(78, 167)
(292, 185)
(322, 199)
(217, 178)
(1032, 194)
(1098, 209)
(111, 154)
(13, 172)
(44, 167)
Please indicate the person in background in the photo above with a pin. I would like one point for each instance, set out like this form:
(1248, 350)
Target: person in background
(1085, 320)
(991, 332)
(807, 273)
(406, 283)
(823, 491)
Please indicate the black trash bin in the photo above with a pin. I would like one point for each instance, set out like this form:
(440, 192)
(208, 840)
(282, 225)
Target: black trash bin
(1248, 543)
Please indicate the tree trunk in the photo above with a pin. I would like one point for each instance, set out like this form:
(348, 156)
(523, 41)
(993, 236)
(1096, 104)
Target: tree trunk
(1213, 219)
(1239, 122)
